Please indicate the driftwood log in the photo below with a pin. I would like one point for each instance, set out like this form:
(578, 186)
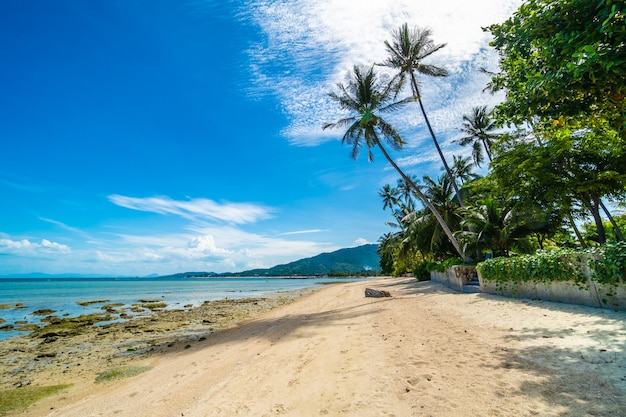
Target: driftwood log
(370, 292)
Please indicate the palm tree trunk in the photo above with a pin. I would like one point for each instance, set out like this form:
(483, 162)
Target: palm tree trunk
(487, 150)
(618, 232)
(432, 134)
(576, 231)
(426, 202)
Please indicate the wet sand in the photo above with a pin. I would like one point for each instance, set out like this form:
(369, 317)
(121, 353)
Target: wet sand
(425, 351)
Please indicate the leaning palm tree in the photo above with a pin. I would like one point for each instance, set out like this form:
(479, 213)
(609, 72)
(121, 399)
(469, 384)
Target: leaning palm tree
(407, 50)
(365, 95)
(478, 127)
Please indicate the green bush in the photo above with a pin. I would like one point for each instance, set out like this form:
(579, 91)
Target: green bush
(450, 262)
(608, 263)
(542, 267)
(421, 272)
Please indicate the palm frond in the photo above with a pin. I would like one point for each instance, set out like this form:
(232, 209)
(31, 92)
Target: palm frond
(431, 70)
(339, 123)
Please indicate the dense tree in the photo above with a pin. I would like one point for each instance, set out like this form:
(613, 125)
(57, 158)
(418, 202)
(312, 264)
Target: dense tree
(407, 50)
(365, 95)
(568, 169)
(563, 58)
(386, 251)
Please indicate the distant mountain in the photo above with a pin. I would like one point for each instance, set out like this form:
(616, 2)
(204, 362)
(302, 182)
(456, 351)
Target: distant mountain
(361, 259)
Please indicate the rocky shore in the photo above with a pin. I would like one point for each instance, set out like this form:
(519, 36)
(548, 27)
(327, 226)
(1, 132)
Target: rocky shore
(69, 350)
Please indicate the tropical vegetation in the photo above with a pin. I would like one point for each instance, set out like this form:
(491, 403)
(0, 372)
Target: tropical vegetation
(552, 154)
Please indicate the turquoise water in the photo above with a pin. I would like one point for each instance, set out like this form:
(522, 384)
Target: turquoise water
(62, 295)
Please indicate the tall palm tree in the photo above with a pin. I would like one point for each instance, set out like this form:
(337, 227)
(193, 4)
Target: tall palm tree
(365, 95)
(407, 50)
(478, 127)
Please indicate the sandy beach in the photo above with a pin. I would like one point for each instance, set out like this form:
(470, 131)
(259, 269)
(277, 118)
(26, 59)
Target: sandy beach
(425, 351)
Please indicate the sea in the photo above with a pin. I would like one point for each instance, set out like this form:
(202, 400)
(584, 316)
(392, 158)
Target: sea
(21, 297)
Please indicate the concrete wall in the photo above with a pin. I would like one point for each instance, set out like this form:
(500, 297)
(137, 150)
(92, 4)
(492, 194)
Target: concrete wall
(592, 294)
(455, 277)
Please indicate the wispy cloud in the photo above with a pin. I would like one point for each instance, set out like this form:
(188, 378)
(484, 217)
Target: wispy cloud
(310, 45)
(20, 186)
(302, 232)
(196, 209)
(65, 226)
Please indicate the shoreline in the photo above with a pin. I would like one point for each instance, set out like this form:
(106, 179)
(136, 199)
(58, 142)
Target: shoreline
(425, 351)
(45, 358)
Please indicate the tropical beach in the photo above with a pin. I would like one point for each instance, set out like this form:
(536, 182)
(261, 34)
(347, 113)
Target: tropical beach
(177, 180)
(424, 351)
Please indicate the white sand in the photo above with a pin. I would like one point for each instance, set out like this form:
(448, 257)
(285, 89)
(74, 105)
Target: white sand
(426, 351)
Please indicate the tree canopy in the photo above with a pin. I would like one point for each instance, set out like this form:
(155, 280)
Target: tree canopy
(563, 58)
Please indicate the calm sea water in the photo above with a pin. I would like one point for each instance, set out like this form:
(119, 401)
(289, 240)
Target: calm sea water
(63, 295)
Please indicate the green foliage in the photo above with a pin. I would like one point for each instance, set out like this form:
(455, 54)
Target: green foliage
(563, 58)
(120, 373)
(590, 233)
(541, 267)
(450, 262)
(609, 264)
(21, 398)
(421, 272)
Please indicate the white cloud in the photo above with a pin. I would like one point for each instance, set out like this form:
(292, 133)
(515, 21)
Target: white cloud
(25, 247)
(311, 44)
(360, 242)
(205, 245)
(196, 209)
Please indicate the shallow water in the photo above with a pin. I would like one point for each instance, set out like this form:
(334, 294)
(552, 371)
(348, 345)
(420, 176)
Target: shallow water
(63, 294)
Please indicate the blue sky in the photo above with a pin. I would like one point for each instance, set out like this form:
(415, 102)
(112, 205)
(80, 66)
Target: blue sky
(155, 136)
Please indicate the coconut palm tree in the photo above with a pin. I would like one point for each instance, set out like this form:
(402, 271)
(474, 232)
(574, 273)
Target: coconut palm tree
(424, 228)
(498, 226)
(364, 95)
(389, 196)
(405, 190)
(462, 169)
(478, 127)
(407, 50)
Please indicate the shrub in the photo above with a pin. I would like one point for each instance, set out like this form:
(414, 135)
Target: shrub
(608, 263)
(543, 266)
(421, 273)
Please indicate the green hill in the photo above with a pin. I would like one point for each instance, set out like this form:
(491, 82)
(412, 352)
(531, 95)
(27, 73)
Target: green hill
(362, 259)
